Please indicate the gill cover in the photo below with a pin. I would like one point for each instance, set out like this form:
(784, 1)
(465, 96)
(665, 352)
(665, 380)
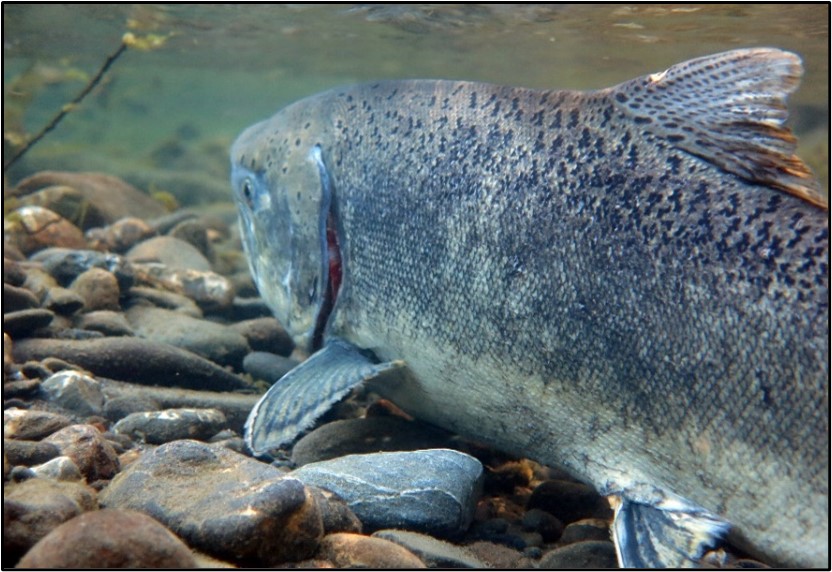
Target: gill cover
(283, 196)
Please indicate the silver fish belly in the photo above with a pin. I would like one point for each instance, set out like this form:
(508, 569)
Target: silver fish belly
(631, 283)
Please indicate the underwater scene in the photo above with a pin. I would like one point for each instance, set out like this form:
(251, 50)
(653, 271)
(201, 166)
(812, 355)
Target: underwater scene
(476, 395)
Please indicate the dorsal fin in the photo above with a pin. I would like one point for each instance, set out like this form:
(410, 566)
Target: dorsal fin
(728, 109)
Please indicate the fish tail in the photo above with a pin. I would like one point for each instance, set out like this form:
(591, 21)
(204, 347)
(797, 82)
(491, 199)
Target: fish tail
(728, 109)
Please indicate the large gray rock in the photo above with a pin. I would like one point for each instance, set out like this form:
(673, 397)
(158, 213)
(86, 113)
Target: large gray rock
(221, 502)
(433, 491)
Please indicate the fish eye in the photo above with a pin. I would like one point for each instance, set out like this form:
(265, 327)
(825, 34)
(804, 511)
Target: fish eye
(248, 193)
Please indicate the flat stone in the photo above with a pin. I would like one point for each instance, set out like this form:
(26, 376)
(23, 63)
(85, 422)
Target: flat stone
(235, 406)
(28, 453)
(157, 427)
(98, 288)
(63, 301)
(25, 388)
(32, 508)
(220, 502)
(93, 455)
(498, 556)
(133, 359)
(170, 251)
(119, 236)
(432, 551)
(213, 341)
(592, 554)
(166, 299)
(16, 298)
(265, 335)
(211, 291)
(267, 366)
(586, 529)
(13, 273)
(75, 392)
(433, 491)
(107, 322)
(366, 435)
(21, 323)
(31, 424)
(109, 538)
(346, 550)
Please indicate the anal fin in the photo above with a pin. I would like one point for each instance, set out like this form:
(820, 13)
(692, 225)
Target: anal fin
(296, 400)
(666, 535)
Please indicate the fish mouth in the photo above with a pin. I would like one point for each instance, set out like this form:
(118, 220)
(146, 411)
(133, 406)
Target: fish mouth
(334, 272)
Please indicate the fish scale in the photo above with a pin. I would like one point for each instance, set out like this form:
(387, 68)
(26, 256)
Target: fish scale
(630, 283)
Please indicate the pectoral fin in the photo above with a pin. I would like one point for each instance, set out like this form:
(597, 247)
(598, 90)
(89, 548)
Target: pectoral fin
(294, 402)
(669, 534)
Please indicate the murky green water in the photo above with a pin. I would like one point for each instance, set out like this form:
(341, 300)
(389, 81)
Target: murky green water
(163, 119)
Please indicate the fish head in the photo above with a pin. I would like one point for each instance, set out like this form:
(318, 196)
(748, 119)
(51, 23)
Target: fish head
(282, 194)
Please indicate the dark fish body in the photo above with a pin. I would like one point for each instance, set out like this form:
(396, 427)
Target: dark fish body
(613, 281)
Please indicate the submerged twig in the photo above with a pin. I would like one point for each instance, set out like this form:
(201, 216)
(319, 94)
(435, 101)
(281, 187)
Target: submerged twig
(71, 105)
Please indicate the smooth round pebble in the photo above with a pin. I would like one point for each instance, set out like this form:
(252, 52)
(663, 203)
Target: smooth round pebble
(88, 449)
(29, 453)
(16, 298)
(157, 427)
(346, 550)
(109, 538)
(170, 251)
(60, 468)
(432, 551)
(98, 288)
(585, 529)
(75, 392)
(31, 424)
(20, 323)
(547, 524)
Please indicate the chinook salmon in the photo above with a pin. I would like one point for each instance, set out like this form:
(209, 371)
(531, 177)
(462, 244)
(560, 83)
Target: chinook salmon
(630, 283)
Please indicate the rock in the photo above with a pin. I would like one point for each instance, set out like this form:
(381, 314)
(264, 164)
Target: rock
(267, 366)
(25, 388)
(210, 340)
(220, 502)
(172, 252)
(586, 529)
(30, 424)
(13, 273)
(235, 406)
(75, 392)
(33, 228)
(164, 299)
(16, 298)
(60, 468)
(336, 515)
(548, 525)
(66, 265)
(569, 501)
(346, 550)
(432, 551)
(109, 538)
(63, 301)
(110, 197)
(433, 491)
(265, 335)
(119, 236)
(366, 435)
(209, 290)
(498, 556)
(133, 359)
(249, 308)
(94, 456)
(107, 322)
(592, 554)
(28, 453)
(98, 288)
(194, 232)
(21, 323)
(32, 508)
(157, 427)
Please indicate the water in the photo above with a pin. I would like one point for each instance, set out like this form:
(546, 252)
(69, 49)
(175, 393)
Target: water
(164, 119)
